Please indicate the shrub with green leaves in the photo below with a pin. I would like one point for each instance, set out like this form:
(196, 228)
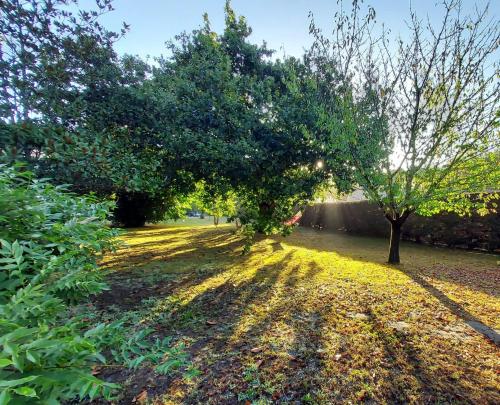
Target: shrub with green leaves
(50, 242)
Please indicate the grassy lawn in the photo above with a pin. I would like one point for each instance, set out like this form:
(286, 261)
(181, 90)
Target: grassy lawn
(194, 221)
(311, 318)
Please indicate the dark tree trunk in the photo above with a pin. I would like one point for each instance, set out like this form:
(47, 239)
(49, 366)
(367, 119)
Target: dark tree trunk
(394, 243)
(266, 210)
(396, 225)
(130, 211)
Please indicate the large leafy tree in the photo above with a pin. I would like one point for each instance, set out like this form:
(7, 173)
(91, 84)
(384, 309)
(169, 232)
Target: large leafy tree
(46, 52)
(246, 123)
(120, 134)
(79, 114)
(218, 110)
(422, 111)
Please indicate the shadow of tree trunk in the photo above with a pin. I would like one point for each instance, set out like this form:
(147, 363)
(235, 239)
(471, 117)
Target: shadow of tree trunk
(456, 309)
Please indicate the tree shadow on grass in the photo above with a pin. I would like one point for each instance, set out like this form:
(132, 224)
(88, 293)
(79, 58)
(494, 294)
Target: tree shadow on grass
(455, 308)
(222, 340)
(218, 244)
(230, 323)
(348, 246)
(157, 268)
(409, 365)
(474, 270)
(252, 314)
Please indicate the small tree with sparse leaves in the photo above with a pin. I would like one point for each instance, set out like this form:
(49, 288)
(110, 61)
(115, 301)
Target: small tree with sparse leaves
(423, 111)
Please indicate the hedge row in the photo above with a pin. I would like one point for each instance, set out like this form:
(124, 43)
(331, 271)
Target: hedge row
(365, 218)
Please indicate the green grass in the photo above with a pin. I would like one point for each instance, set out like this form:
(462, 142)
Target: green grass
(314, 317)
(194, 221)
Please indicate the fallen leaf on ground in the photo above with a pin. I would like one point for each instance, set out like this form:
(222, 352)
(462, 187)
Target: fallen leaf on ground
(256, 349)
(142, 397)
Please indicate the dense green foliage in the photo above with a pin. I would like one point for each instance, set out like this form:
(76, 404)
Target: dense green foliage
(270, 133)
(218, 110)
(219, 125)
(48, 55)
(72, 109)
(50, 243)
(246, 123)
(214, 204)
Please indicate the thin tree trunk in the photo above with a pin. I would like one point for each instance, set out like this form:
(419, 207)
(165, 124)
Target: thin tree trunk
(396, 225)
(394, 242)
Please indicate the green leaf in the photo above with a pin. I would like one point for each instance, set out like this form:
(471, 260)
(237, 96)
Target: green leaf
(85, 389)
(33, 357)
(5, 244)
(18, 361)
(5, 397)
(17, 334)
(20, 381)
(5, 363)
(7, 346)
(94, 391)
(17, 249)
(26, 392)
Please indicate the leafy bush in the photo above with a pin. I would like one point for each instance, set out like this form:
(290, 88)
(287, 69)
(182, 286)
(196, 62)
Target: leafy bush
(50, 241)
(131, 343)
(49, 244)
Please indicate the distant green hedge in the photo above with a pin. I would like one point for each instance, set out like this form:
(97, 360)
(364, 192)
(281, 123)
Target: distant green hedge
(365, 218)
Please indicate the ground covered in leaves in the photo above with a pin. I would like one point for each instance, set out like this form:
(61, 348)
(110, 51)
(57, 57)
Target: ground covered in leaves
(312, 318)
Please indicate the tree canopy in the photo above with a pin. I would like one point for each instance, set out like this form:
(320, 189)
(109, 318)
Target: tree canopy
(219, 109)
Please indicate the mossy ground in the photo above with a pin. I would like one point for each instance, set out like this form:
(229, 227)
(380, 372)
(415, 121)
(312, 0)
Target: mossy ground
(312, 318)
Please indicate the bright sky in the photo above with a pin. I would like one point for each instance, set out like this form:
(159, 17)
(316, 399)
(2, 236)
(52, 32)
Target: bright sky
(284, 24)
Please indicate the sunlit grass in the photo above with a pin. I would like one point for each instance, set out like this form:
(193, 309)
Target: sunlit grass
(317, 315)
